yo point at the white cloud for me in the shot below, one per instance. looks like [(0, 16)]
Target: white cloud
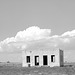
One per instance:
[(69, 34), (22, 38), (35, 38), (8, 40), (32, 33)]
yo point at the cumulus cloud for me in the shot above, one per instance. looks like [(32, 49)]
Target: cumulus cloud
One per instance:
[(32, 33), (23, 38), (35, 38)]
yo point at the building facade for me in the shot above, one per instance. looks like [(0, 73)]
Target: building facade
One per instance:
[(42, 58)]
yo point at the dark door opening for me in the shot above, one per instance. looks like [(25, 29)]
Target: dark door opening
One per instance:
[(36, 60), (45, 60)]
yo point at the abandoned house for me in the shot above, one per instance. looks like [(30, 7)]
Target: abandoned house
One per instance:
[(42, 58)]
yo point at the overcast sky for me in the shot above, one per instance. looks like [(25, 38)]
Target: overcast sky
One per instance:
[(58, 16)]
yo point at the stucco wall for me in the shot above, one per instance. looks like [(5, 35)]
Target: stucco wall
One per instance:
[(40, 53)]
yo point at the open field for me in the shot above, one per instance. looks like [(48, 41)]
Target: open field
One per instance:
[(16, 69)]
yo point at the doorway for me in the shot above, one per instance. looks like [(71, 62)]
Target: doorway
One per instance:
[(36, 60), (45, 60)]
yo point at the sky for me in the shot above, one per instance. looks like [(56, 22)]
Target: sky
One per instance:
[(21, 19)]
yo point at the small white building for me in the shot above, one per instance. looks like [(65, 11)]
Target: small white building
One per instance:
[(42, 58)]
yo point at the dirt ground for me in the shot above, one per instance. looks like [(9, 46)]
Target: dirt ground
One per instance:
[(18, 70)]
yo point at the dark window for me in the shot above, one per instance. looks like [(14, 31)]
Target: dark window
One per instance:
[(52, 58), (28, 59)]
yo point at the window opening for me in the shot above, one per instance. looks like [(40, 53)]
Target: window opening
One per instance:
[(52, 58)]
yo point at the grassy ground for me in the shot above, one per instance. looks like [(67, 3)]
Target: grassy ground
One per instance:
[(14, 69)]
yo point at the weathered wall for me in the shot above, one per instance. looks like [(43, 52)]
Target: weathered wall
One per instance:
[(58, 57)]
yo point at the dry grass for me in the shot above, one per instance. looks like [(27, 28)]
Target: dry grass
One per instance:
[(14, 69)]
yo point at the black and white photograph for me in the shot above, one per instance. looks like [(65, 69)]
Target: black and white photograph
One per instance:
[(37, 37)]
